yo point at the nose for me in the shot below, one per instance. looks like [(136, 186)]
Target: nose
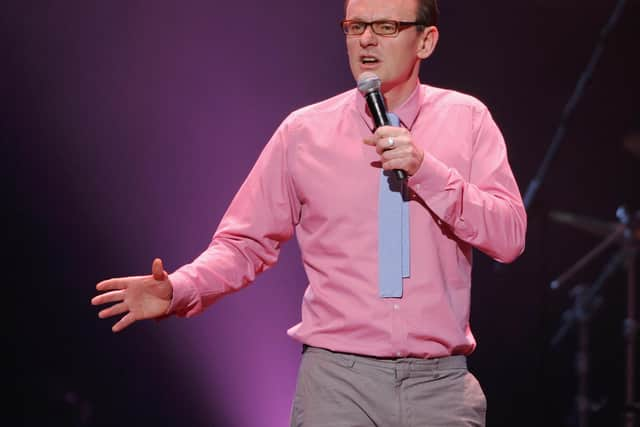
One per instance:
[(368, 38)]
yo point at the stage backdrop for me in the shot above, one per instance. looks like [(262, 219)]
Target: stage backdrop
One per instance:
[(128, 126)]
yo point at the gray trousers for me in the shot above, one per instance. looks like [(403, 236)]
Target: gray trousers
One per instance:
[(344, 390)]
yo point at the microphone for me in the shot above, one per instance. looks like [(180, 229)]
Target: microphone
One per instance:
[(369, 86)]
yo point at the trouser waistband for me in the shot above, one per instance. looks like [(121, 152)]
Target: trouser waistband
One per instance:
[(446, 362)]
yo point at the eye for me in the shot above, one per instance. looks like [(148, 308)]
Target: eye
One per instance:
[(387, 27), (356, 27)]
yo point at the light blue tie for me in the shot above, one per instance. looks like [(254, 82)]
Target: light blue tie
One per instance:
[(393, 231)]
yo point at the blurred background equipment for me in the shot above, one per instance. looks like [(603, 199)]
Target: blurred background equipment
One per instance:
[(587, 300)]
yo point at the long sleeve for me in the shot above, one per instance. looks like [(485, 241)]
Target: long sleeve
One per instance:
[(483, 208), (316, 178), (260, 218)]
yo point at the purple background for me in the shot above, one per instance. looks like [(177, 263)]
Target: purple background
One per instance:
[(128, 126)]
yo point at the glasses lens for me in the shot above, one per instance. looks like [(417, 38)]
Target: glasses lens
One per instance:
[(353, 27), (385, 28)]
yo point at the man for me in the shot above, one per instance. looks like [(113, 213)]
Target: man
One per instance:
[(385, 332)]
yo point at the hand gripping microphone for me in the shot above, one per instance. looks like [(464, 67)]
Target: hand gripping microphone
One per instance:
[(369, 86)]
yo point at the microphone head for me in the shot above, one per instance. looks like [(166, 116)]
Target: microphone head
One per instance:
[(368, 82)]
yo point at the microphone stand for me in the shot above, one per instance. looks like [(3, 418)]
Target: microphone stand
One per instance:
[(632, 236), (572, 103), (587, 301), (568, 110)]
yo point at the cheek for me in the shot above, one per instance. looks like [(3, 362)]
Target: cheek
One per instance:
[(352, 49), (405, 57)]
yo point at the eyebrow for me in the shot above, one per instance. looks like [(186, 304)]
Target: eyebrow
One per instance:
[(385, 18)]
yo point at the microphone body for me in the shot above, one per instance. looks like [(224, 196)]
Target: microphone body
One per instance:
[(376, 104), (369, 85)]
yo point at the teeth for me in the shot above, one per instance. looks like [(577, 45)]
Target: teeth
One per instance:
[(369, 60)]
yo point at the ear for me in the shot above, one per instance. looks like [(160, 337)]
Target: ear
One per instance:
[(427, 42)]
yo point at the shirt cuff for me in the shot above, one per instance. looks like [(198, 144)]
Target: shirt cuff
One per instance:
[(431, 178), (185, 296), (440, 187)]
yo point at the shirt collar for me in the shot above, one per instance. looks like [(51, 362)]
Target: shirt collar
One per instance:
[(407, 111)]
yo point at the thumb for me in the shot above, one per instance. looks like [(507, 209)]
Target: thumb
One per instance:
[(158, 270)]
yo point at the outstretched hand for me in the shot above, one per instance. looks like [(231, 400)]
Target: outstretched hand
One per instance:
[(140, 297)]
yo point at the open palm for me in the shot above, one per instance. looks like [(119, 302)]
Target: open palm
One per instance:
[(137, 297)]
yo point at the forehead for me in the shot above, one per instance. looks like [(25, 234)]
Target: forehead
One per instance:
[(379, 9)]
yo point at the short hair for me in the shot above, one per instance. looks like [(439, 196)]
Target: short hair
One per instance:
[(427, 12)]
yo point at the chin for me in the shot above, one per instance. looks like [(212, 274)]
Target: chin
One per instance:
[(358, 69)]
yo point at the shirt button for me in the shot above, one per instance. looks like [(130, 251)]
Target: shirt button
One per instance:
[(418, 186), (396, 307)]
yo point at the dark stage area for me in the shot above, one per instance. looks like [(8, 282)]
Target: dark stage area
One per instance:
[(128, 126)]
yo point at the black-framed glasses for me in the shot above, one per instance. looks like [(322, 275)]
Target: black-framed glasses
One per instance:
[(387, 28)]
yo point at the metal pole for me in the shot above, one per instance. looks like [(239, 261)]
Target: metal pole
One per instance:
[(583, 403), (631, 331)]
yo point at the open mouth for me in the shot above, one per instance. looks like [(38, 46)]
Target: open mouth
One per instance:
[(369, 60)]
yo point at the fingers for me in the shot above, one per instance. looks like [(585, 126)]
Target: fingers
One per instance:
[(134, 289), (394, 164), (396, 153), (108, 297), (158, 270), (385, 144), (388, 138), (118, 283), (396, 149), (114, 310), (390, 131), (112, 284), (385, 132), (407, 158), (396, 145), (125, 322)]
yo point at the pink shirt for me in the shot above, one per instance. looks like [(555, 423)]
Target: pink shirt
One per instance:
[(316, 178)]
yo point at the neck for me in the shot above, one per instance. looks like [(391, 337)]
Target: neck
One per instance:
[(395, 95)]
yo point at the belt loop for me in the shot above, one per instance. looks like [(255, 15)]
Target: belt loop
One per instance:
[(436, 369)]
